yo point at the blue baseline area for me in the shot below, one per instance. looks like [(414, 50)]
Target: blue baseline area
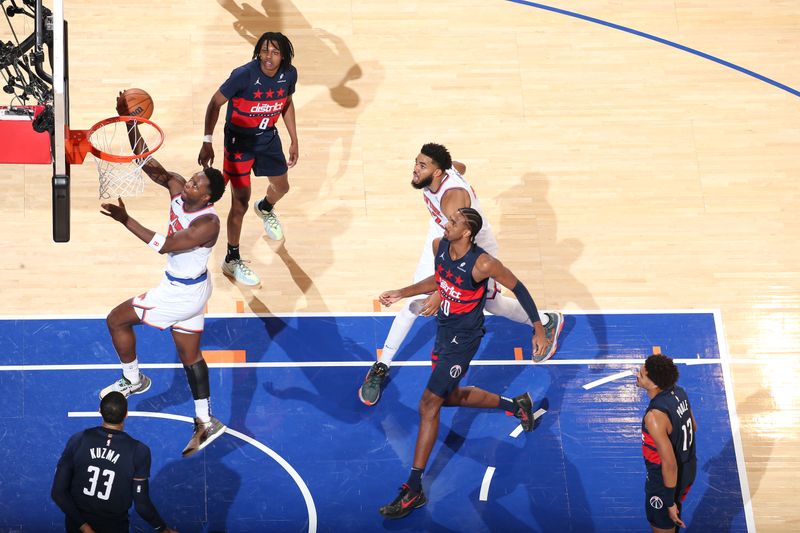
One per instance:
[(580, 470)]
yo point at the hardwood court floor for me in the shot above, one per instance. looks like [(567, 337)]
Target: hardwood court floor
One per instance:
[(618, 172)]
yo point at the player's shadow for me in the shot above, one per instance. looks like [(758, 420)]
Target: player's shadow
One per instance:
[(527, 202), (713, 512), (186, 497), (323, 57)]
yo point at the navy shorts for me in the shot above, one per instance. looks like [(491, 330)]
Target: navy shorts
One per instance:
[(657, 514), (263, 155), (452, 353)]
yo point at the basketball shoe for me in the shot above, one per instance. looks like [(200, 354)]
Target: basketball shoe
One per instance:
[(240, 273), (204, 434), (370, 391), (405, 502), (127, 388), (552, 330), (524, 412), (271, 223)]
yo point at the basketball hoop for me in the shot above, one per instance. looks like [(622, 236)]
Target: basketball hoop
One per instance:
[(109, 141)]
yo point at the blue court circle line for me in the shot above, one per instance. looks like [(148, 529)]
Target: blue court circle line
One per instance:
[(661, 40), (309, 500)]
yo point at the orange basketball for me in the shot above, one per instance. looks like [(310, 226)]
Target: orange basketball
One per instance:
[(138, 103)]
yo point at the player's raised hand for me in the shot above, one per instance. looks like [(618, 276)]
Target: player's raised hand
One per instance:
[(389, 297), (122, 108), (117, 212)]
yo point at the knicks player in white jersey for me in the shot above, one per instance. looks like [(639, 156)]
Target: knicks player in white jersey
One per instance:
[(179, 300), (445, 191)]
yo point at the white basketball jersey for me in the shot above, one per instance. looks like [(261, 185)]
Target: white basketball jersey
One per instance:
[(433, 201), (189, 263)]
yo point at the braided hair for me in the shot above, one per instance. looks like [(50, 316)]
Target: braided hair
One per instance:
[(283, 43), (474, 221)]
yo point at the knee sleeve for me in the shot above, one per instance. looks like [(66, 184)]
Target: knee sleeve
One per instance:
[(197, 375)]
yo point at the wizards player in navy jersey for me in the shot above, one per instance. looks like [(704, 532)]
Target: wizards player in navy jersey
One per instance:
[(462, 271), (258, 94), (668, 437), (101, 472)]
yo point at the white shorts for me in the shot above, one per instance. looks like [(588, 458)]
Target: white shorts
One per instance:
[(174, 304), (426, 266)]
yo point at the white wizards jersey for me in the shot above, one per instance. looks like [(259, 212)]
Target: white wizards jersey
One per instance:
[(433, 201), (192, 263)]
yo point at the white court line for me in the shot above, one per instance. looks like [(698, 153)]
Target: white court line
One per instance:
[(727, 379), (316, 364), (312, 510), (612, 377), (487, 480), (518, 430)]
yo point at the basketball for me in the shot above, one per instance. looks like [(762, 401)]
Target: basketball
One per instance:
[(138, 103)]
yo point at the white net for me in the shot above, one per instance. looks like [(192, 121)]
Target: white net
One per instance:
[(123, 178)]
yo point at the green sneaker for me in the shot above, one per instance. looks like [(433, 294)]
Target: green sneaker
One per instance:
[(271, 223), (238, 271), (552, 330), (370, 391)]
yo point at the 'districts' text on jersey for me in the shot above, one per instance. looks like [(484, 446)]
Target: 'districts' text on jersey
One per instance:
[(255, 100), (462, 298), (675, 404)]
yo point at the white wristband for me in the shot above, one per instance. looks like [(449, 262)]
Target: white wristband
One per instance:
[(208, 138), (157, 242)]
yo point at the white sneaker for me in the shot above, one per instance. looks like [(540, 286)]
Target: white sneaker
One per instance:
[(240, 272), (127, 388), (271, 223)]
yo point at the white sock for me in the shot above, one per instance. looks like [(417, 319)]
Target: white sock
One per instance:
[(202, 409), (131, 371), (400, 327)]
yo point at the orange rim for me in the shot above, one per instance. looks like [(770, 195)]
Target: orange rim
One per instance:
[(114, 158)]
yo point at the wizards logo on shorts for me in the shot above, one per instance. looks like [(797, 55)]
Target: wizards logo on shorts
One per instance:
[(455, 371), (656, 503)]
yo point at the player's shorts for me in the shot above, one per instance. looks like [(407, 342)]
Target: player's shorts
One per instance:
[(452, 353), (174, 303), (657, 514), (263, 155), (425, 266)]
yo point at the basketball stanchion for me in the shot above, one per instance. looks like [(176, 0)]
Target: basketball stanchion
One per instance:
[(109, 141)]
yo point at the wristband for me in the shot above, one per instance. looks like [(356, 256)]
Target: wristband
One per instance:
[(208, 138), (157, 242), (668, 495)]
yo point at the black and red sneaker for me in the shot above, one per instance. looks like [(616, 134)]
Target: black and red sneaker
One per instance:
[(405, 502), (524, 412)]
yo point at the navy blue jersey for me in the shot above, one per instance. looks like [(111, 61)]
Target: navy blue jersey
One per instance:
[(675, 404), (103, 463), (255, 100), (463, 298)]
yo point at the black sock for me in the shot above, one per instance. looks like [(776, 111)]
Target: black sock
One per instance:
[(265, 206), (233, 253), (415, 480), (507, 404)]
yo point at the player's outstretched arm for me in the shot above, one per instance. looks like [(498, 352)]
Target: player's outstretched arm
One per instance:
[(171, 180), (490, 267), (206, 156), (203, 231)]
